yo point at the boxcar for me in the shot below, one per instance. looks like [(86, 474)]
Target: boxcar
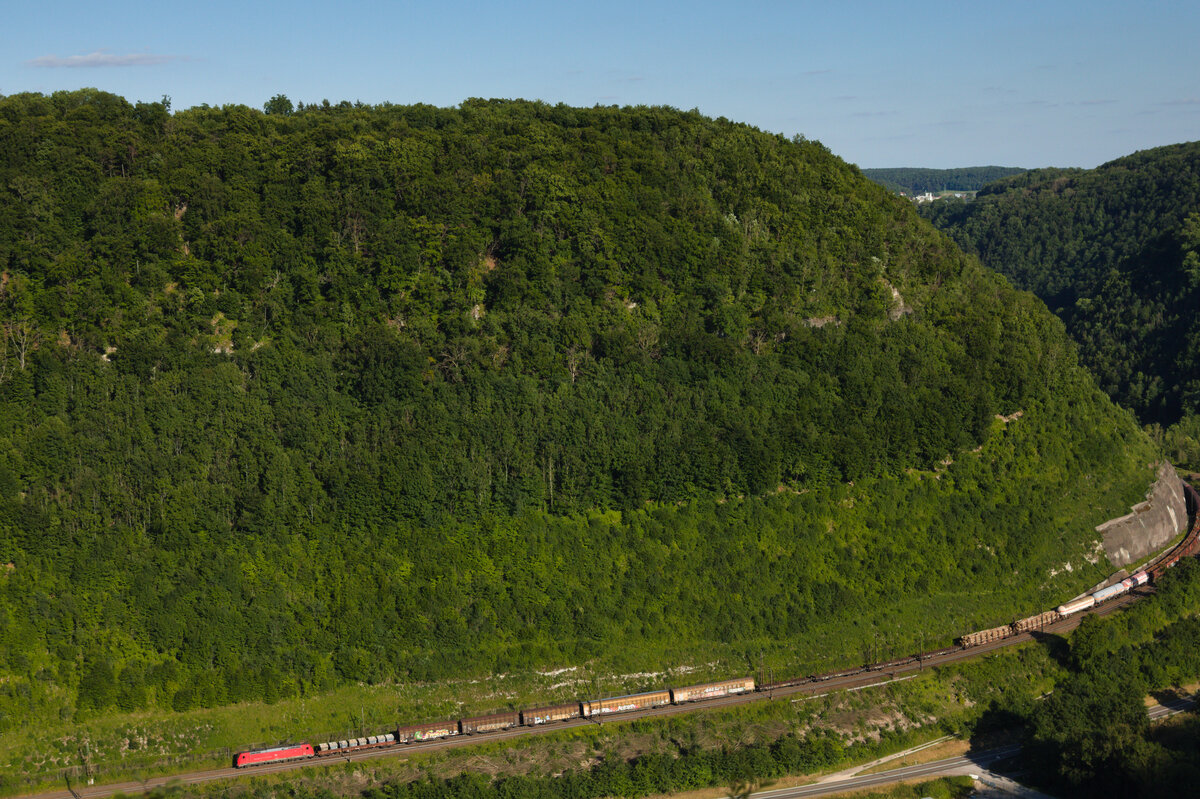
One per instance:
[(625, 704), (275, 754), (426, 732), (549, 713), (496, 721), (712, 690)]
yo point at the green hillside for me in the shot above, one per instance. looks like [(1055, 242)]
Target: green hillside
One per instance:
[(346, 394), (1115, 252)]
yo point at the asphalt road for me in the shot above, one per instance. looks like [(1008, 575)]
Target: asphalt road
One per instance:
[(1162, 710), (966, 764)]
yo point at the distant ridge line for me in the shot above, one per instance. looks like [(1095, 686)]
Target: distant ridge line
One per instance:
[(918, 180)]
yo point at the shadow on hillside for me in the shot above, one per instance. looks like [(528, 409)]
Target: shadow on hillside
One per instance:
[(997, 726), (1056, 647)]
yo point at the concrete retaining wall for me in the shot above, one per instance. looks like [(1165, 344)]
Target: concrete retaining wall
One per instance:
[(1151, 525)]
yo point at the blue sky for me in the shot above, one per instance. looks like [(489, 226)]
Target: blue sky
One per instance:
[(923, 83)]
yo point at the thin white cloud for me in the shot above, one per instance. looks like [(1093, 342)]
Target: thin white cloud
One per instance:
[(1182, 101), (100, 58), (892, 138)]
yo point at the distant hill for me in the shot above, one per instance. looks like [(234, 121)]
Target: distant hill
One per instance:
[(1115, 252), (350, 394), (916, 180)]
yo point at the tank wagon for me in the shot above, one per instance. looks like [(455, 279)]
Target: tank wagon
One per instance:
[(1104, 594), (1076, 605), (1126, 585)]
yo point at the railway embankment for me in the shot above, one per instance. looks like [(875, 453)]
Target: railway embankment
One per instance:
[(1150, 525)]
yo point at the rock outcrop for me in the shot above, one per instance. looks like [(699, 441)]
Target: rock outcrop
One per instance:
[(1151, 525)]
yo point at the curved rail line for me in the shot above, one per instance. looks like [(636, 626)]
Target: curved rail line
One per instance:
[(1020, 631)]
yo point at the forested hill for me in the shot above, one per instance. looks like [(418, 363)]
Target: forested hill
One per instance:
[(363, 393), (918, 180), (1115, 252)]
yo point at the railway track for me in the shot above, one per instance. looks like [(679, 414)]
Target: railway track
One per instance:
[(871, 675), (858, 680)]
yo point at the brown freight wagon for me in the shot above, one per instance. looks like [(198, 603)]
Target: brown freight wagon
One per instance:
[(1036, 622), (496, 721), (712, 690), (625, 704), (549, 713), (426, 732), (986, 636)]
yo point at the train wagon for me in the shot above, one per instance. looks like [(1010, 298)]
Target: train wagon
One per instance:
[(1037, 622), (490, 723), (712, 690), (784, 683), (1141, 578), (987, 636), (1116, 589), (1105, 594), (1076, 605), (370, 740), (895, 664), (276, 754), (549, 713), (1162, 566), (624, 704), (835, 675), (426, 732)]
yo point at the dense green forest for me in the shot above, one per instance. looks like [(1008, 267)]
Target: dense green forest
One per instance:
[(1115, 252), (343, 393), (1092, 735), (918, 180)]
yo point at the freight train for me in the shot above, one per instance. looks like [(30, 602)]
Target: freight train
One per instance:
[(586, 709), (501, 721), (1188, 546)]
